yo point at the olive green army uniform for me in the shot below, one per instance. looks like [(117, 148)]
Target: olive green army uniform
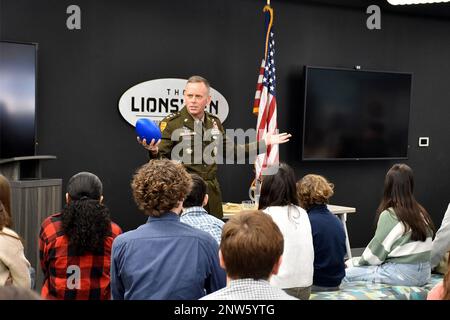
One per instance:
[(198, 144)]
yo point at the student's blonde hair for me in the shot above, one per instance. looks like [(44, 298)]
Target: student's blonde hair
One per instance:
[(314, 189)]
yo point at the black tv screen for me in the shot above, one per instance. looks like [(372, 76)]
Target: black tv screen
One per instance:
[(355, 114), (17, 99)]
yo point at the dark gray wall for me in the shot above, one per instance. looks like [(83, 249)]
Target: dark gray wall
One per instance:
[(82, 74)]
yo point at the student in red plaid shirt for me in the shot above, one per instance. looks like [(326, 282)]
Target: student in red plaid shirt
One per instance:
[(75, 245)]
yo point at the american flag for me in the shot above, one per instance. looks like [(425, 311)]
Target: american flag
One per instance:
[(265, 105)]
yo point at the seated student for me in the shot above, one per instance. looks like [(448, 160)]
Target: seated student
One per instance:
[(14, 267), (441, 246), (399, 253), (194, 213), (314, 191), (75, 245), (164, 258), (441, 291), (250, 252), (5, 198), (278, 199)]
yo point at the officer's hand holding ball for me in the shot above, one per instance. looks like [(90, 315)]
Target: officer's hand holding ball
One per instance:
[(148, 134)]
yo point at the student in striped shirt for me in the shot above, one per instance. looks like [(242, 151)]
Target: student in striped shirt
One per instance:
[(400, 251), (194, 213)]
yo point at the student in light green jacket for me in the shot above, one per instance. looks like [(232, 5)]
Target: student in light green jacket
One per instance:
[(400, 251)]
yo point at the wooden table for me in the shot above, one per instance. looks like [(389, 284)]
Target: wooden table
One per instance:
[(230, 209)]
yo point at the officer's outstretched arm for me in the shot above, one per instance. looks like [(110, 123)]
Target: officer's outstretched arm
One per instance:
[(244, 150)]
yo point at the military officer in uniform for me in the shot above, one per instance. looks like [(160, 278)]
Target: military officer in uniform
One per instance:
[(196, 137)]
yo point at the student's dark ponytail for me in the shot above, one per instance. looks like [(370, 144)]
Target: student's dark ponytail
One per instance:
[(85, 220)]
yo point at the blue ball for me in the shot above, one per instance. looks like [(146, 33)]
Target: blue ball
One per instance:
[(148, 130)]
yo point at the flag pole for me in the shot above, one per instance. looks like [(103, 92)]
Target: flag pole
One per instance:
[(257, 191), (258, 178)]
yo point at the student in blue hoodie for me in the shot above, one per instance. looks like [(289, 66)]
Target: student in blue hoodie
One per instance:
[(328, 233)]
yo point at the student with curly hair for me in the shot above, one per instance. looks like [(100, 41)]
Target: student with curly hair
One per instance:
[(14, 267), (75, 245), (164, 258), (314, 192), (400, 251)]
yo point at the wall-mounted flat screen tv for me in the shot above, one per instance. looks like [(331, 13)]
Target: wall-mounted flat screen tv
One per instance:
[(17, 99), (354, 114)]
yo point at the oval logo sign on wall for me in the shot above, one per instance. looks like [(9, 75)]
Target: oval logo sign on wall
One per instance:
[(156, 99)]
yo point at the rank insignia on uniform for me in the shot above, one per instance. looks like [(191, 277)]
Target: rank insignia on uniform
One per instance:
[(187, 132), (162, 125)]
